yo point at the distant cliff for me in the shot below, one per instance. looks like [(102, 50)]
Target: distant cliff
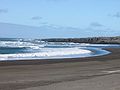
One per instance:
[(93, 40)]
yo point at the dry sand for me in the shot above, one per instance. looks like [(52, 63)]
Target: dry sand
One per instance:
[(94, 73)]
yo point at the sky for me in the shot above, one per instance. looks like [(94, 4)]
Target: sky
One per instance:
[(59, 18)]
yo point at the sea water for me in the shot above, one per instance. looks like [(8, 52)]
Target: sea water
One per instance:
[(19, 49)]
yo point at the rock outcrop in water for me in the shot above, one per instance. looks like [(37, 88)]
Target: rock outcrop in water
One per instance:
[(92, 40)]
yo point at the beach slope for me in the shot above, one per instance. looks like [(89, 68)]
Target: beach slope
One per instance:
[(94, 73)]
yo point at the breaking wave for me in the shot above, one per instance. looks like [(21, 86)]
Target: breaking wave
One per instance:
[(16, 49)]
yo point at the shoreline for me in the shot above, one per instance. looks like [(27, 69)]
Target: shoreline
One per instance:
[(91, 73), (88, 51), (58, 60)]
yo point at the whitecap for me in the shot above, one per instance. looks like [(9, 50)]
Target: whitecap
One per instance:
[(47, 52)]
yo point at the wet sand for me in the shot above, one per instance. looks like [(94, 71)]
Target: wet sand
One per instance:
[(93, 73)]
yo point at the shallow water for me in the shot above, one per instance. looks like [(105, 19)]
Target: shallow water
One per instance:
[(16, 49)]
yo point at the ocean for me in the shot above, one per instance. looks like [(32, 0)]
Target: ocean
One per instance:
[(25, 49)]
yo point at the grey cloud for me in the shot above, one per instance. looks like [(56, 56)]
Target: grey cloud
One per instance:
[(44, 23), (117, 15), (3, 10), (96, 24), (56, 0), (36, 18)]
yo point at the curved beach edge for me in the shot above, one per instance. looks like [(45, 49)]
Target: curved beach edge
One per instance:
[(114, 54)]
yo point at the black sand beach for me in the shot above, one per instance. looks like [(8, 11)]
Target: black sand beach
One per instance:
[(93, 73)]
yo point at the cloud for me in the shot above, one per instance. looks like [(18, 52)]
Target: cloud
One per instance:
[(53, 31), (56, 0), (44, 23), (96, 24), (36, 18), (3, 10), (117, 15), (52, 0)]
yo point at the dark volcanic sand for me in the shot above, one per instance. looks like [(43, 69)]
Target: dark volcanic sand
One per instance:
[(94, 73)]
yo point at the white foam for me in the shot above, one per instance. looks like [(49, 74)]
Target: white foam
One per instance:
[(87, 44), (19, 44), (79, 44), (47, 52), (40, 49)]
